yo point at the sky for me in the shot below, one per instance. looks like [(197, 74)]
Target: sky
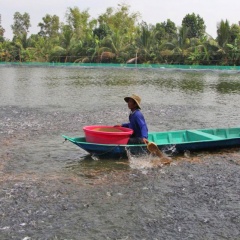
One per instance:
[(151, 11)]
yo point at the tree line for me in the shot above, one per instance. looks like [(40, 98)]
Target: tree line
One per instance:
[(117, 36)]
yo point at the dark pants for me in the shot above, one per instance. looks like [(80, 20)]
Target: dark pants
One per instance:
[(135, 140)]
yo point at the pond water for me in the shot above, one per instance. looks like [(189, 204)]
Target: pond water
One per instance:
[(39, 104)]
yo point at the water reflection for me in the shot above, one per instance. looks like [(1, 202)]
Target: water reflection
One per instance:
[(43, 86), (191, 85), (89, 169), (48, 185), (43, 103), (228, 87)]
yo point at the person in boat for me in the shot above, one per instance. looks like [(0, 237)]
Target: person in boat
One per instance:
[(136, 121)]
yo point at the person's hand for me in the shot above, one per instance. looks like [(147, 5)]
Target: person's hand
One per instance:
[(145, 140), (117, 126)]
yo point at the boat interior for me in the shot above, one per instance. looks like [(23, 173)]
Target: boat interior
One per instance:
[(183, 136)]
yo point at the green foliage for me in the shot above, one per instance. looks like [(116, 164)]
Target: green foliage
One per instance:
[(234, 52), (117, 36), (2, 30), (143, 41), (57, 54), (234, 33), (78, 22), (165, 31), (195, 25), (50, 26), (120, 19), (223, 31), (102, 31), (21, 24)]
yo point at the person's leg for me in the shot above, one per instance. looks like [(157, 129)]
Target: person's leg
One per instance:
[(135, 141)]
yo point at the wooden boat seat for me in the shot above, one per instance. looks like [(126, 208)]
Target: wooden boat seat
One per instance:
[(168, 138), (205, 136)]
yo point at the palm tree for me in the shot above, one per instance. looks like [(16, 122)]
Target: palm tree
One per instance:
[(234, 52), (223, 33)]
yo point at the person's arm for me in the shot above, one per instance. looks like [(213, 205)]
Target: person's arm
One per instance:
[(123, 125), (142, 125), (145, 140)]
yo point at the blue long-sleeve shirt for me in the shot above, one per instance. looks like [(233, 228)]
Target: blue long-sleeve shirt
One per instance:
[(138, 124)]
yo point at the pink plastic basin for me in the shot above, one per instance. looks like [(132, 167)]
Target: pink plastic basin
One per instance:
[(107, 134)]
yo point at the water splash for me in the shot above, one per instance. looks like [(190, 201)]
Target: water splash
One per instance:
[(94, 157), (146, 161), (187, 154), (170, 150)]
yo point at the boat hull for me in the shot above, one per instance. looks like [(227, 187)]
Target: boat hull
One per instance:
[(181, 140)]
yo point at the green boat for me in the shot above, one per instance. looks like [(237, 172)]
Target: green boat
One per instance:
[(180, 140)]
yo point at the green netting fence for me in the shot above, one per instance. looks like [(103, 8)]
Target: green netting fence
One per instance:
[(111, 65)]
